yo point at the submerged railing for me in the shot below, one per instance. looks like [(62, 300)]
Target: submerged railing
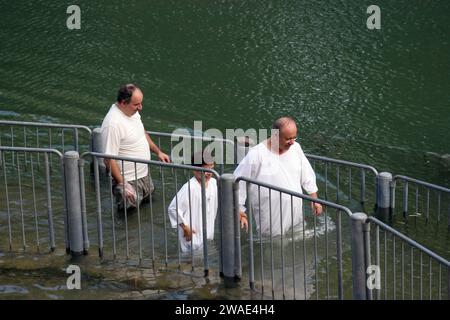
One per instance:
[(104, 198), (26, 182), (401, 271), (442, 196), (342, 178), (85, 209), (199, 141), (295, 238), (45, 135)]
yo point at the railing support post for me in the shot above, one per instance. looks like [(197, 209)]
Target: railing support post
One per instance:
[(237, 234), (358, 257), (367, 257), (73, 203), (228, 229), (97, 146), (383, 205)]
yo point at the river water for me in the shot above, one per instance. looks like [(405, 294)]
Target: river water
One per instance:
[(380, 97)]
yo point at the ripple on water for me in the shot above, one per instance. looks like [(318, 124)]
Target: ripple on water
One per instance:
[(7, 113), (55, 288), (12, 289)]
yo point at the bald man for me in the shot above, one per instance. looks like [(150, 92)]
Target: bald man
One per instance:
[(123, 134), (278, 161)]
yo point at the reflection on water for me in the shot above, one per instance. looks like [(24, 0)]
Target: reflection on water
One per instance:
[(284, 268)]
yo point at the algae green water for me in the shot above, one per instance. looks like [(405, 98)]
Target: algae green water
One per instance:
[(380, 97)]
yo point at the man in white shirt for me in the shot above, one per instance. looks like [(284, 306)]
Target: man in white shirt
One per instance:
[(278, 161), (123, 134)]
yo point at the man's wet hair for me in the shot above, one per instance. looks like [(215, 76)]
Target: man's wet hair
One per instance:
[(126, 92), (206, 157), (281, 122)]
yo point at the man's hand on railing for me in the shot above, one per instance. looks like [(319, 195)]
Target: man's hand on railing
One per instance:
[(316, 208), (187, 231), (163, 157), (129, 192), (244, 221)]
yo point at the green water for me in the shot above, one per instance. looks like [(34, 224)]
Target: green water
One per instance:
[(380, 97)]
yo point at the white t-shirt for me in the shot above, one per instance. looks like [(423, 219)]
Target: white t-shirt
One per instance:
[(195, 211), (125, 136), (290, 170)]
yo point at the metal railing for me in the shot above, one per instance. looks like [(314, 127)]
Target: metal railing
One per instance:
[(408, 270), (222, 150), (294, 239), (28, 189), (439, 191), (27, 192), (341, 182), (62, 137), (148, 228)]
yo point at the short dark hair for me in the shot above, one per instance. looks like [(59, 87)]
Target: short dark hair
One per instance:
[(126, 92), (204, 155), (281, 122)]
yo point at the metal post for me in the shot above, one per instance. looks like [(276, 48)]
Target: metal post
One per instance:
[(358, 261), (228, 241), (384, 180), (72, 182), (367, 257), (97, 146), (83, 206), (237, 234), (204, 227)]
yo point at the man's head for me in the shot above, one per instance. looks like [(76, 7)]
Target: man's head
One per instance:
[(287, 133), (129, 99), (202, 159)]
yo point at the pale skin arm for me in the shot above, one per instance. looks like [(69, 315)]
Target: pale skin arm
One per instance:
[(153, 147), (188, 232), (115, 171), (315, 207), (243, 220)]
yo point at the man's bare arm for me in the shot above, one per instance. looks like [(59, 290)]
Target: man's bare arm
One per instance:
[(115, 171), (153, 147), (316, 207)]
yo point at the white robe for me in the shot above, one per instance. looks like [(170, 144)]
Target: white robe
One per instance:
[(196, 210), (290, 170)]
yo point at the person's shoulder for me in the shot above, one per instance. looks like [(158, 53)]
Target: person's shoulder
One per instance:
[(136, 116), (184, 187), (296, 147), (113, 116), (258, 149)]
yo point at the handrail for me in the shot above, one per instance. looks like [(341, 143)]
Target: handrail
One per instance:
[(158, 163), (420, 182), (353, 164), (205, 138), (46, 125), (296, 194), (409, 241), (46, 150)]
